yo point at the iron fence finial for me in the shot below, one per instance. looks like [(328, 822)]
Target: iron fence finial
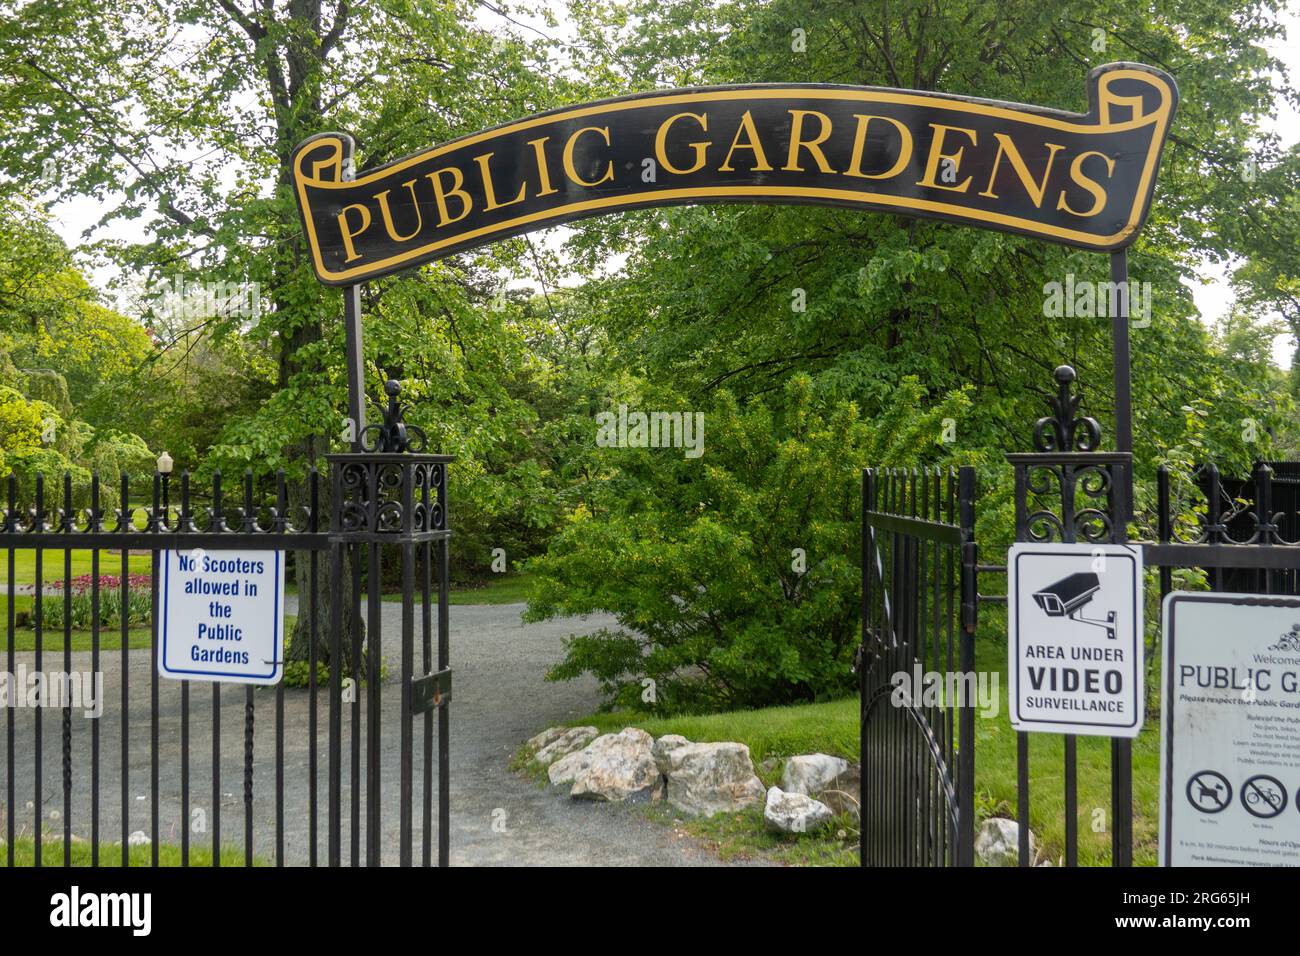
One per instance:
[(1065, 429), (393, 434)]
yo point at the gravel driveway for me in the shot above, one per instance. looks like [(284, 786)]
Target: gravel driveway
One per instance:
[(499, 699)]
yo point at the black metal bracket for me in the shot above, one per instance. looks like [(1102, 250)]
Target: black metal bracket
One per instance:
[(430, 691)]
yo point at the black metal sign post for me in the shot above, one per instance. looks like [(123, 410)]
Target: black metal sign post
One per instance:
[(1078, 179), (1067, 490), (1121, 748), (356, 364)]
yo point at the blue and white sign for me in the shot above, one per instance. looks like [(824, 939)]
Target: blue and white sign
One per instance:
[(222, 616)]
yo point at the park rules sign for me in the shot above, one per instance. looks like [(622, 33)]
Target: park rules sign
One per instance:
[(222, 616), (1230, 730), (1074, 638)]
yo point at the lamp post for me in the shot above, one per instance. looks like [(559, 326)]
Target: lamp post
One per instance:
[(165, 469)]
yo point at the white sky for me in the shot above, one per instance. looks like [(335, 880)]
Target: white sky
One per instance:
[(1213, 296)]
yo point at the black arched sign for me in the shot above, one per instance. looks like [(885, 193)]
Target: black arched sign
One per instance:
[(1080, 179)]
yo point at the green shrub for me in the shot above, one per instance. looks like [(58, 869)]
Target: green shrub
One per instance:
[(297, 674), (695, 556)]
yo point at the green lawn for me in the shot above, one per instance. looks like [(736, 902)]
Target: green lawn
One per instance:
[(110, 638), (110, 562), (830, 728), (110, 854), (833, 728), (52, 569), (500, 589)]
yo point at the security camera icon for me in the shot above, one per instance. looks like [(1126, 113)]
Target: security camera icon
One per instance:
[(1068, 596)]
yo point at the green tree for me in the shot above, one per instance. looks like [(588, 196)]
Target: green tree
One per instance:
[(183, 114), (697, 557), (882, 297)]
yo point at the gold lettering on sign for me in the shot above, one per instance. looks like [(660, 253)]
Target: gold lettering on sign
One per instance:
[(489, 190), (700, 148), (1008, 147), (752, 144), (860, 142), (441, 195), (797, 142), (350, 234), (387, 214), (543, 171), (1093, 187), (568, 156), (937, 154)]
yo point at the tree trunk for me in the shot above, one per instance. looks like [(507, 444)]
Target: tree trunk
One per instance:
[(313, 623)]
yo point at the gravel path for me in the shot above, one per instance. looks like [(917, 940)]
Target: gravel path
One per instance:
[(497, 817)]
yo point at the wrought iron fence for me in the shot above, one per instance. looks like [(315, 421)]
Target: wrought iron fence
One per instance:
[(920, 563), (918, 621), (386, 496)]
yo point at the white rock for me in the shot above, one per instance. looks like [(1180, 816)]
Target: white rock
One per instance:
[(573, 738), (704, 779), (610, 768), (138, 838), (794, 812), (664, 746), (998, 843), (564, 770), (811, 773), (844, 793), (549, 735), (617, 766)]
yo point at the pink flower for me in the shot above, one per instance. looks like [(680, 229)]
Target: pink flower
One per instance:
[(107, 582)]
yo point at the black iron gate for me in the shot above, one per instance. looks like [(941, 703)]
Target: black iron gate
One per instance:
[(387, 499), (917, 665), (919, 563)]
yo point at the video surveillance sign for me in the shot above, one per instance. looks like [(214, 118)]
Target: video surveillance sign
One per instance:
[(1074, 638)]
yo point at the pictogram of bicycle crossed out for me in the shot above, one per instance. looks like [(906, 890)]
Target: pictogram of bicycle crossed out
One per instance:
[(1263, 796)]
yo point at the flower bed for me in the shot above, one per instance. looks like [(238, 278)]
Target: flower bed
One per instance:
[(139, 602)]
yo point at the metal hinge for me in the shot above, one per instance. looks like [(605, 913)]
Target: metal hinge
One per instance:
[(430, 690)]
